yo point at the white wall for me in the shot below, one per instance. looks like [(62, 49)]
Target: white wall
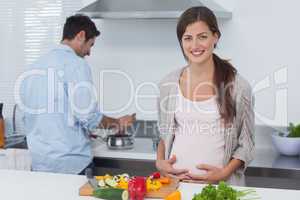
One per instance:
[(145, 50), (260, 39)]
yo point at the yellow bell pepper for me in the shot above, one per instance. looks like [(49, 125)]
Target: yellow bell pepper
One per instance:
[(164, 180), (174, 196), (99, 178), (107, 176), (103, 177), (123, 184), (152, 184)]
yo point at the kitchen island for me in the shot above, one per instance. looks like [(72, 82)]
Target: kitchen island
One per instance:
[(25, 185)]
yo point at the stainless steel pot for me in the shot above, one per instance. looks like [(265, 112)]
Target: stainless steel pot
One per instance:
[(120, 141)]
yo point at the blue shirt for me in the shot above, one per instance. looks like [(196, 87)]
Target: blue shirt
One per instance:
[(60, 109)]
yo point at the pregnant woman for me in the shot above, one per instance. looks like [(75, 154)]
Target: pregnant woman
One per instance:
[(206, 117)]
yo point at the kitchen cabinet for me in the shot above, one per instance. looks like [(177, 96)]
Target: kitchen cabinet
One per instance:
[(17, 159)]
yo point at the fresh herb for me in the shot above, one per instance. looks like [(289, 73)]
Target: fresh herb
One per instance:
[(224, 192), (294, 131)]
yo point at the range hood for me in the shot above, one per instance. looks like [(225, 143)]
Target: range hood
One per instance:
[(148, 9)]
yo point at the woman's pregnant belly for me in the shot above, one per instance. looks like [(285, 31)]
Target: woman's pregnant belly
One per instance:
[(191, 150)]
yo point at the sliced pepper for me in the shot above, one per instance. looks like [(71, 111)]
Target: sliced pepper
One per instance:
[(123, 184), (99, 178), (174, 196), (164, 180), (107, 176), (153, 184), (155, 175)]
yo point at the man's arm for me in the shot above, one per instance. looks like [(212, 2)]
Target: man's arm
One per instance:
[(108, 122)]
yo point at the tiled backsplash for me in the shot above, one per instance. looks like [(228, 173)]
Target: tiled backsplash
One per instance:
[(142, 128)]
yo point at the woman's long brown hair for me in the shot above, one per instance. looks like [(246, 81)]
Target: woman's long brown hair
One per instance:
[(224, 74)]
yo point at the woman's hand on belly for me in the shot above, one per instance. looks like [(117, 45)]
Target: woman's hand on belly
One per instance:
[(213, 174), (167, 169)]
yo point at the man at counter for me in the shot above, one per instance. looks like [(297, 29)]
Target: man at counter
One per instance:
[(60, 105)]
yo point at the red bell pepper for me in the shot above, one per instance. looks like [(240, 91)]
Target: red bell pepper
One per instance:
[(137, 188), (155, 175)]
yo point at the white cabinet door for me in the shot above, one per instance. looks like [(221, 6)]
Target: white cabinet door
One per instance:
[(18, 159)]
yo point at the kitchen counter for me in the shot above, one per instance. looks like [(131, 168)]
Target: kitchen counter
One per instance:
[(19, 185), (143, 150)]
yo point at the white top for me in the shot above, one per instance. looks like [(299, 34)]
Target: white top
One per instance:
[(198, 136)]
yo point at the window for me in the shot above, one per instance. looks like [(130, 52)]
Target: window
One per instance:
[(28, 29)]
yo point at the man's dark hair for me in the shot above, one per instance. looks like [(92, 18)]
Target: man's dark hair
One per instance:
[(76, 23)]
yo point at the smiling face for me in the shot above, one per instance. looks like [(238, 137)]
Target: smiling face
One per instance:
[(198, 42)]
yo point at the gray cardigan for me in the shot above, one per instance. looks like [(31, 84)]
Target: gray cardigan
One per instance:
[(239, 140)]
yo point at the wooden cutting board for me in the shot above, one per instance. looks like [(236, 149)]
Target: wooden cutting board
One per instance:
[(165, 190)]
